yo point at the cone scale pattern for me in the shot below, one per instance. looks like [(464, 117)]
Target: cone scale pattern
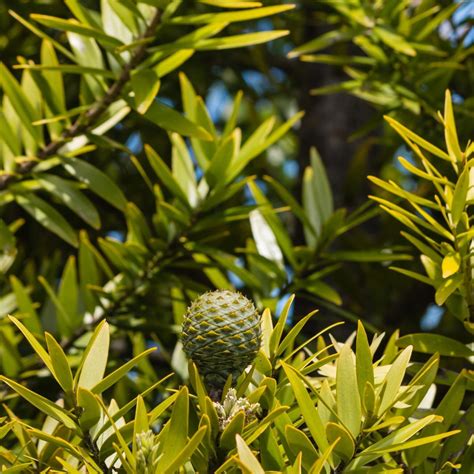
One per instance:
[(222, 335)]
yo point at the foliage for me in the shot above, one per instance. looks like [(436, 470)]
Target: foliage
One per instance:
[(354, 415), (103, 247), (399, 56), (445, 247)]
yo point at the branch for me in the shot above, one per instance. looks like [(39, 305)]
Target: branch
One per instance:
[(86, 121)]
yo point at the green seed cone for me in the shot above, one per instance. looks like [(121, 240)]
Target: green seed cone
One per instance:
[(222, 335)]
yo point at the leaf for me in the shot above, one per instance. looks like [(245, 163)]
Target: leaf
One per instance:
[(321, 42), (217, 172), (288, 198), (71, 197), (187, 451), (247, 458), (450, 133), (318, 466), (177, 433), (119, 373), (43, 404), (410, 136), (61, 370), (68, 293), (37, 347), (25, 305), (451, 264), (164, 174), (347, 393), (78, 28), (274, 223), (183, 169), (300, 443), (308, 410), (239, 41), (91, 411), (172, 121), (231, 3), (393, 380), (397, 437), (447, 288), (394, 41), (43, 35), (384, 255), (311, 209), (173, 62), (264, 237), (22, 106), (321, 289), (243, 15), (277, 332), (140, 424), (460, 196), (235, 427), (67, 69), (145, 85), (364, 368), (345, 446), (321, 187), (63, 317), (415, 443), (435, 343), (94, 360), (448, 409)]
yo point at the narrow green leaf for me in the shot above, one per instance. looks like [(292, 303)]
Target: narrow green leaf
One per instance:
[(450, 264), (458, 205), (164, 174), (71, 197), (394, 41), (22, 106), (247, 458), (239, 41), (308, 410), (177, 433), (450, 133), (364, 368), (47, 216), (68, 293), (145, 85), (43, 404), (63, 317), (435, 343), (94, 360), (25, 305), (37, 347), (172, 121), (348, 401), (78, 28), (119, 373), (91, 410), (236, 425), (243, 15), (61, 370), (410, 136), (97, 181), (187, 451), (393, 380), (300, 443), (447, 288), (345, 446)]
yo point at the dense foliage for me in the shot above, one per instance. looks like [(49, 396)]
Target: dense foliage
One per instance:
[(128, 190)]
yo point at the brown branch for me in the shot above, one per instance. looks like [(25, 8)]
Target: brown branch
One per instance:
[(86, 121)]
